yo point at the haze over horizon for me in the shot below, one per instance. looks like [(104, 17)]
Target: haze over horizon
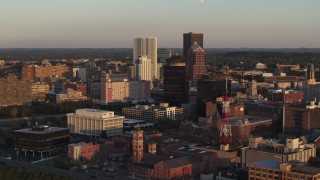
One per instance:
[(114, 24)]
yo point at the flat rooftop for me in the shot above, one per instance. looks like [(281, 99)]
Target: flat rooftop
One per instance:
[(248, 120), (268, 164), (94, 113), (46, 131), (132, 121), (190, 150), (295, 167)]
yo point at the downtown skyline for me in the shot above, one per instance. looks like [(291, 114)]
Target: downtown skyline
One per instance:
[(113, 24)]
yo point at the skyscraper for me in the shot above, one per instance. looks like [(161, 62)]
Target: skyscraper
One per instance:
[(146, 47), (188, 41), (196, 62), (310, 71), (90, 67), (142, 69), (174, 81)]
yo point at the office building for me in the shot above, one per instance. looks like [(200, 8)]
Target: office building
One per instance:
[(90, 70), (311, 88), (154, 113), (92, 122), (210, 90), (196, 62), (143, 69), (70, 95), (79, 72), (164, 55), (275, 150), (139, 90), (188, 41), (94, 90), (58, 86), (14, 91), (113, 91), (301, 118), (123, 90), (273, 170), (252, 88), (40, 138), (146, 47), (174, 82), (39, 90)]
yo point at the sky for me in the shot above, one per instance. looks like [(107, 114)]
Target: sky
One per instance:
[(114, 23)]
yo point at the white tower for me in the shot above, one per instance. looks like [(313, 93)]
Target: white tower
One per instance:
[(142, 69), (146, 46)]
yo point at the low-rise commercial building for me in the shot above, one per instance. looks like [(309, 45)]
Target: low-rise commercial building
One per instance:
[(271, 149), (84, 151), (40, 138), (92, 122), (243, 127), (285, 96), (154, 113), (266, 169), (39, 91), (70, 95), (301, 118)]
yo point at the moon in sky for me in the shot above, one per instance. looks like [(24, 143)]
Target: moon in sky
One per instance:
[(201, 1)]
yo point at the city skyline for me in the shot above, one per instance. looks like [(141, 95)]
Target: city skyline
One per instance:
[(113, 24)]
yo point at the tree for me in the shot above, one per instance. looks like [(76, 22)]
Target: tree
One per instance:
[(13, 112), (315, 161), (103, 134)]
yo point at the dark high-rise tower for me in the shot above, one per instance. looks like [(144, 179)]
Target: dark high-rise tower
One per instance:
[(188, 41), (174, 81)]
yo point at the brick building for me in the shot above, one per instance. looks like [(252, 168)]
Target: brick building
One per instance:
[(14, 91), (243, 127), (301, 118), (39, 73), (84, 151), (285, 96), (153, 166)]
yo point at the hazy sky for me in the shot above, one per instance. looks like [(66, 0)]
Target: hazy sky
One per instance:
[(114, 23)]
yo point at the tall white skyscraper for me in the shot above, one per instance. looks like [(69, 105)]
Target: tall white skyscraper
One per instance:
[(146, 47), (143, 69)]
